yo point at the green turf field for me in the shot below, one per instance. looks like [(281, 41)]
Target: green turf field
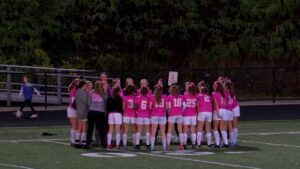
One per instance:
[(263, 144)]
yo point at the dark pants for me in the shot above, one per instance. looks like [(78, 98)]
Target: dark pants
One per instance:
[(29, 104), (99, 120)]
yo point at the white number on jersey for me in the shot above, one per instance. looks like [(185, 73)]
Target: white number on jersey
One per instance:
[(144, 104), (191, 102), (130, 104), (161, 104), (206, 99), (178, 102)]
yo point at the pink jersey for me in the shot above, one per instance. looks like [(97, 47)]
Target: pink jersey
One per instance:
[(229, 101), (220, 99), (142, 103), (138, 92), (205, 103), (190, 102), (72, 96), (159, 109), (129, 106), (235, 103), (175, 105)]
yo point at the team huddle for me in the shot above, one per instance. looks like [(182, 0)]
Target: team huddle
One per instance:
[(195, 115)]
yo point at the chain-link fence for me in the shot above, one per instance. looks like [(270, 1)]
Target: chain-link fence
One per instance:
[(255, 83)]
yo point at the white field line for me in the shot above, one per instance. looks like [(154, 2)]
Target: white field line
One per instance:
[(181, 158), (199, 161), (14, 166), (269, 144), (56, 142), (270, 133), (32, 140)]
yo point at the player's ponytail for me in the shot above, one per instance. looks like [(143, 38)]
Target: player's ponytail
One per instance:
[(157, 93)]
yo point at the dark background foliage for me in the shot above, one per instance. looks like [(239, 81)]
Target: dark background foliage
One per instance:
[(150, 34)]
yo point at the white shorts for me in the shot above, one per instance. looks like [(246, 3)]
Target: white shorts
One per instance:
[(129, 120), (158, 120), (175, 119), (229, 116), (236, 111), (115, 118), (223, 115), (142, 121), (190, 120), (204, 116), (71, 113)]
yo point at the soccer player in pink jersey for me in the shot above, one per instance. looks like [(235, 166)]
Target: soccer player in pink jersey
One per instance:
[(71, 112), (158, 105), (129, 117), (235, 108), (189, 114), (204, 115), (143, 117), (220, 113), (144, 83), (186, 87), (200, 85), (175, 114)]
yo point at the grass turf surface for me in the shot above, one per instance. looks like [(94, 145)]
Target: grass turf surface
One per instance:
[(263, 144)]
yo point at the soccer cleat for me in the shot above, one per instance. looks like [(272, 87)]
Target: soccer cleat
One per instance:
[(226, 146), (148, 147), (181, 147), (194, 146), (168, 148), (137, 147), (117, 147), (109, 147), (34, 116)]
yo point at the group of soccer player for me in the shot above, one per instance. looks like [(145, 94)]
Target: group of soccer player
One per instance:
[(115, 110)]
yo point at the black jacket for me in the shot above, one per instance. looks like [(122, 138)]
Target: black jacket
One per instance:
[(114, 105)]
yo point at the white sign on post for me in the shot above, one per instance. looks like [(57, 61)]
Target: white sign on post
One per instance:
[(173, 78)]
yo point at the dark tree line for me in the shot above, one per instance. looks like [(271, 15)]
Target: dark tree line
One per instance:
[(150, 34)]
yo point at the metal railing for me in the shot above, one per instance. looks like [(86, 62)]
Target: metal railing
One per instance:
[(251, 83)]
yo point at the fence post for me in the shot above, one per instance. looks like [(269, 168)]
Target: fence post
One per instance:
[(273, 84), (59, 95), (46, 89), (8, 86)]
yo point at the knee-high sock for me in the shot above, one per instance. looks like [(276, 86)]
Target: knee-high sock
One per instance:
[(235, 130), (109, 138), (137, 138), (118, 138), (73, 136), (78, 135), (169, 137), (147, 138), (231, 136), (181, 139), (133, 138), (208, 138), (193, 136), (199, 138), (83, 138), (224, 137), (125, 140), (185, 139), (164, 144), (152, 142), (217, 137)]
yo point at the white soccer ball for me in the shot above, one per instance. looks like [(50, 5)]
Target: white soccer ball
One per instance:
[(18, 114)]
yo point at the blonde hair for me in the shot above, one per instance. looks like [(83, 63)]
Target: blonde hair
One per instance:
[(99, 88), (144, 81)]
